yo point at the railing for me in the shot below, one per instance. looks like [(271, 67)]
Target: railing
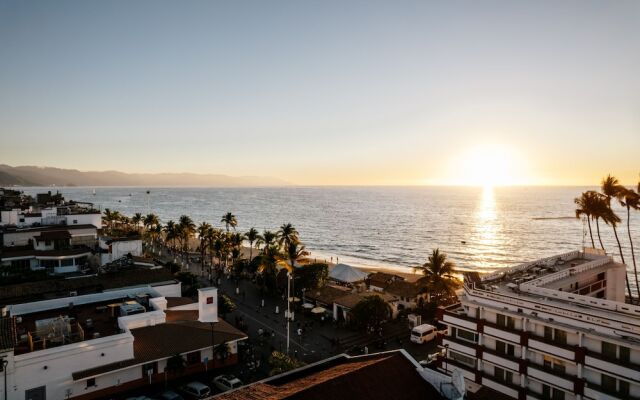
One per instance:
[(523, 267), (586, 289), (629, 324), (567, 272)]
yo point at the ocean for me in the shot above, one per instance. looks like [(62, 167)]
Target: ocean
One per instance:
[(480, 229)]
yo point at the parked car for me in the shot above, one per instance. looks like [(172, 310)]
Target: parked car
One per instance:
[(423, 333), (196, 390), (226, 382), (169, 395)]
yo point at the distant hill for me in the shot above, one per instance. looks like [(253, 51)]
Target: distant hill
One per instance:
[(47, 176)]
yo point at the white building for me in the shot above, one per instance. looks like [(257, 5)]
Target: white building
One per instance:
[(93, 346), (115, 248), (555, 328), (54, 215)]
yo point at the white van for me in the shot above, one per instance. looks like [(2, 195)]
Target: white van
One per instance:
[(423, 333)]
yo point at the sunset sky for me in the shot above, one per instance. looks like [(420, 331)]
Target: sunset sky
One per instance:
[(326, 92)]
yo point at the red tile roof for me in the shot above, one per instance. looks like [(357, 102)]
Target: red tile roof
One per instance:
[(384, 376)]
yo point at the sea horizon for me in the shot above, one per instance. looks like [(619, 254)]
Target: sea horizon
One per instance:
[(390, 227)]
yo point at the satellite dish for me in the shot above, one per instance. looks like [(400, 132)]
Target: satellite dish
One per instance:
[(457, 379)]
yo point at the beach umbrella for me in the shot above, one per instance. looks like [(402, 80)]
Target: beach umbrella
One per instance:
[(318, 310), (308, 305)]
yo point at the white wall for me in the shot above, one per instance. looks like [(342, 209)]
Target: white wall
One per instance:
[(85, 219), (29, 369)]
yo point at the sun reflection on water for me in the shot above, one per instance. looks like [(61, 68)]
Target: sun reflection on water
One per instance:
[(487, 228)]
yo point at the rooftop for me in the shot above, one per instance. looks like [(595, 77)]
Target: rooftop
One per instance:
[(165, 340), (55, 288), (389, 376), (52, 327)]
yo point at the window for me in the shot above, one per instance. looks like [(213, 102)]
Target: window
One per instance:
[(552, 393), (625, 354), (462, 358), (555, 335), (505, 321), (623, 388), (554, 365), (504, 348), (609, 350), (466, 335), (548, 333), (502, 375), (608, 383), (560, 336), (91, 382)]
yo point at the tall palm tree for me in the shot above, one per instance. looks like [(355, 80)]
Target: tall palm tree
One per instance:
[(287, 235), (438, 272), (150, 220), (586, 205), (203, 231), (598, 212), (267, 240), (187, 230), (252, 236), (229, 220), (630, 199), (611, 189), (136, 220), (170, 233)]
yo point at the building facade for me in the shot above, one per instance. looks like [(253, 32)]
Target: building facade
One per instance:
[(555, 328)]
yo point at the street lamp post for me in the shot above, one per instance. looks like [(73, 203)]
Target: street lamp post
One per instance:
[(288, 308)]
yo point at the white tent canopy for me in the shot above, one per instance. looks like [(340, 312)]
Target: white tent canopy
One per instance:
[(347, 273)]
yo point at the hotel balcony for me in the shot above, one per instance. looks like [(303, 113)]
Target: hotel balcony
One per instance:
[(612, 366), (553, 377), (594, 391), (550, 347), (508, 389), (502, 360), (502, 332), (455, 315), (461, 345)]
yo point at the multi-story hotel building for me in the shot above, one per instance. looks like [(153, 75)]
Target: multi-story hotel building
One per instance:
[(555, 328)]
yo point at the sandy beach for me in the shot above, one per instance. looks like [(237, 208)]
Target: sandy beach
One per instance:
[(408, 276)]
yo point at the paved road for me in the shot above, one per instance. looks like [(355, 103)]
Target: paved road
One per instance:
[(314, 344)]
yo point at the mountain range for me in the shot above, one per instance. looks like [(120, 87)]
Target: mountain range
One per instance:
[(50, 176)]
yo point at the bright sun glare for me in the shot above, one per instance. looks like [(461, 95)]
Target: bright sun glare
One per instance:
[(488, 166)]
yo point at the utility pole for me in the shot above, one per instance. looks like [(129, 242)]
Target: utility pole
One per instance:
[(288, 308)]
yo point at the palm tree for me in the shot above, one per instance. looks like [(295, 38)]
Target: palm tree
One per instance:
[(267, 240), (599, 211), (136, 220), (295, 253), (187, 230), (150, 220), (611, 188), (108, 217), (438, 272), (630, 199), (229, 220), (585, 205), (204, 230), (170, 233), (287, 234), (252, 236)]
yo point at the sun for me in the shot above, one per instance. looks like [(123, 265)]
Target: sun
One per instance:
[(488, 166)]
